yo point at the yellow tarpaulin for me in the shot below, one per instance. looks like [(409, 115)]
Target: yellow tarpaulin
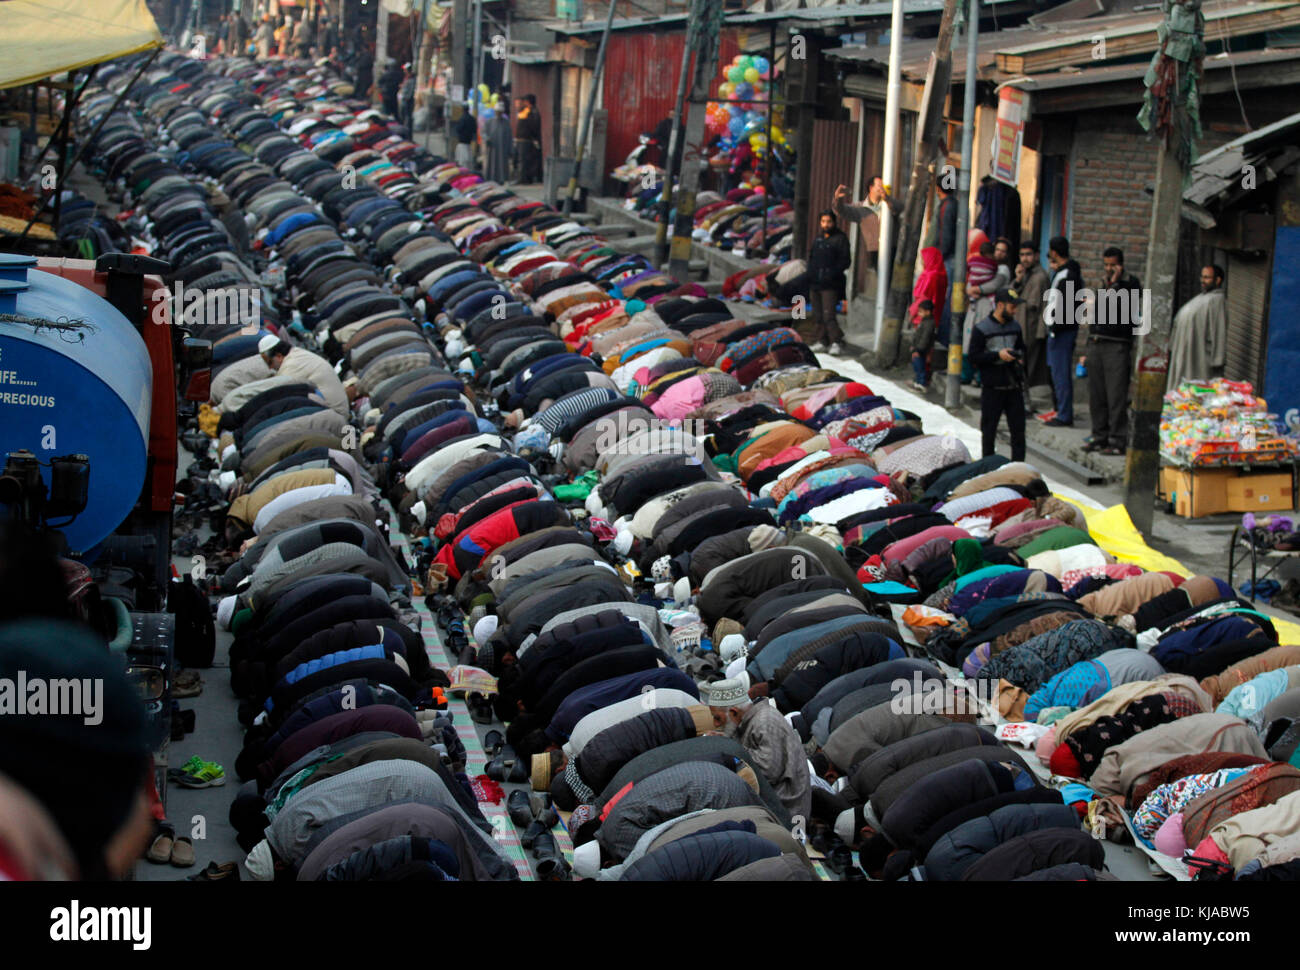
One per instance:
[(39, 38), (1114, 532)]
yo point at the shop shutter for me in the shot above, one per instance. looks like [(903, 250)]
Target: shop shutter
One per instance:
[(1246, 291)]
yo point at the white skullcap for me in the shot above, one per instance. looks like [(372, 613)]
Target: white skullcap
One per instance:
[(485, 627), (226, 612), (586, 859)]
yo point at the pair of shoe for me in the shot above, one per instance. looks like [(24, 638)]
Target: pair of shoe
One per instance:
[(506, 766), (533, 816), (551, 864), (197, 773), (168, 849)]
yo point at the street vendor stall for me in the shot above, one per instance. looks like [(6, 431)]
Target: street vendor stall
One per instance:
[(1221, 450)]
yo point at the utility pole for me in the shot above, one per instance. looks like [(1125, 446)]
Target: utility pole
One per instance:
[(1177, 145), (927, 146), (702, 34), (801, 95), (381, 38), (957, 318), (572, 189), (675, 139), (889, 168)]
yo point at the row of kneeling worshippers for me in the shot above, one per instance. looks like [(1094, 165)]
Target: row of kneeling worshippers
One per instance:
[(716, 609)]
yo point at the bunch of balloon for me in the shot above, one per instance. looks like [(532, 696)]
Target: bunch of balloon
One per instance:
[(487, 101), (745, 90)]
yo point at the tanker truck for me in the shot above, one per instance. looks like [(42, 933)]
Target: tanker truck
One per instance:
[(90, 371)]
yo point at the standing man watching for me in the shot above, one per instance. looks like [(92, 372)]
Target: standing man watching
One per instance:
[(1060, 312), (528, 140), (1199, 346), (827, 260), (998, 350), (1031, 283), (867, 216), (1109, 354)]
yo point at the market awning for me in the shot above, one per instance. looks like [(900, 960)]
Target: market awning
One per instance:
[(39, 38)]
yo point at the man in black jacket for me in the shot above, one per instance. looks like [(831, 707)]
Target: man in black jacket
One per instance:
[(1108, 354), (827, 261), (1061, 314), (528, 140), (997, 348)]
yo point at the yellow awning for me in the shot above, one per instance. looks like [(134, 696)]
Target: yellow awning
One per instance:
[(39, 38)]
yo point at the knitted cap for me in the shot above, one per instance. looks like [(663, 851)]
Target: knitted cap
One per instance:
[(724, 627)]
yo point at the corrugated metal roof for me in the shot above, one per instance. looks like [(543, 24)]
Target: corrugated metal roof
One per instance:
[(1122, 72), (1216, 178), (916, 52), (826, 13)]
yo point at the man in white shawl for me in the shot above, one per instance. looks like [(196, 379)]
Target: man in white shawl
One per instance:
[(1198, 349), (499, 143)]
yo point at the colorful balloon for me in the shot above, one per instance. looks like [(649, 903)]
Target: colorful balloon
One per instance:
[(751, 75)]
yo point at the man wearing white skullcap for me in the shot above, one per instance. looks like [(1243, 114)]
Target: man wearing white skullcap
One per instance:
[(765, 734)]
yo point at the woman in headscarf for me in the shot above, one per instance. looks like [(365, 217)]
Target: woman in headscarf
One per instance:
[(931, 285)]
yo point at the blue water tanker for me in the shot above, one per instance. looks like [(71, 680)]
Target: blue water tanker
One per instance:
[(75, 378)]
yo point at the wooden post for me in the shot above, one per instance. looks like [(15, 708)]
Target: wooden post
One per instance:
[(1142, 466), (706, 24), (801, 95), (1176, 141), (927, 146), (670, 170)]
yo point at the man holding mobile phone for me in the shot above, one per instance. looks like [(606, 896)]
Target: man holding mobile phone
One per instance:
[(1108, 353)]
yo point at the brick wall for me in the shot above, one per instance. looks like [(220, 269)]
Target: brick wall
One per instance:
[(1113, 163), (1111, 167)]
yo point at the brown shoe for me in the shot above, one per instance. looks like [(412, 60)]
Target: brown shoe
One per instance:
[(182, 853), (160, 852)]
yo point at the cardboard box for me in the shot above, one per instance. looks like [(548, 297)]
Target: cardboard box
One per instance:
[(1261, 492), (1197, 492)]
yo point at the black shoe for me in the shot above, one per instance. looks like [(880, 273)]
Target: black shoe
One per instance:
[(518, 773), (840, 858), (1091, 444), (551, 866), (854, 874), (1113, 450), (520, 808), (1058, 423), (540, 826), (493, 742), (502, 763), (480, 708)]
